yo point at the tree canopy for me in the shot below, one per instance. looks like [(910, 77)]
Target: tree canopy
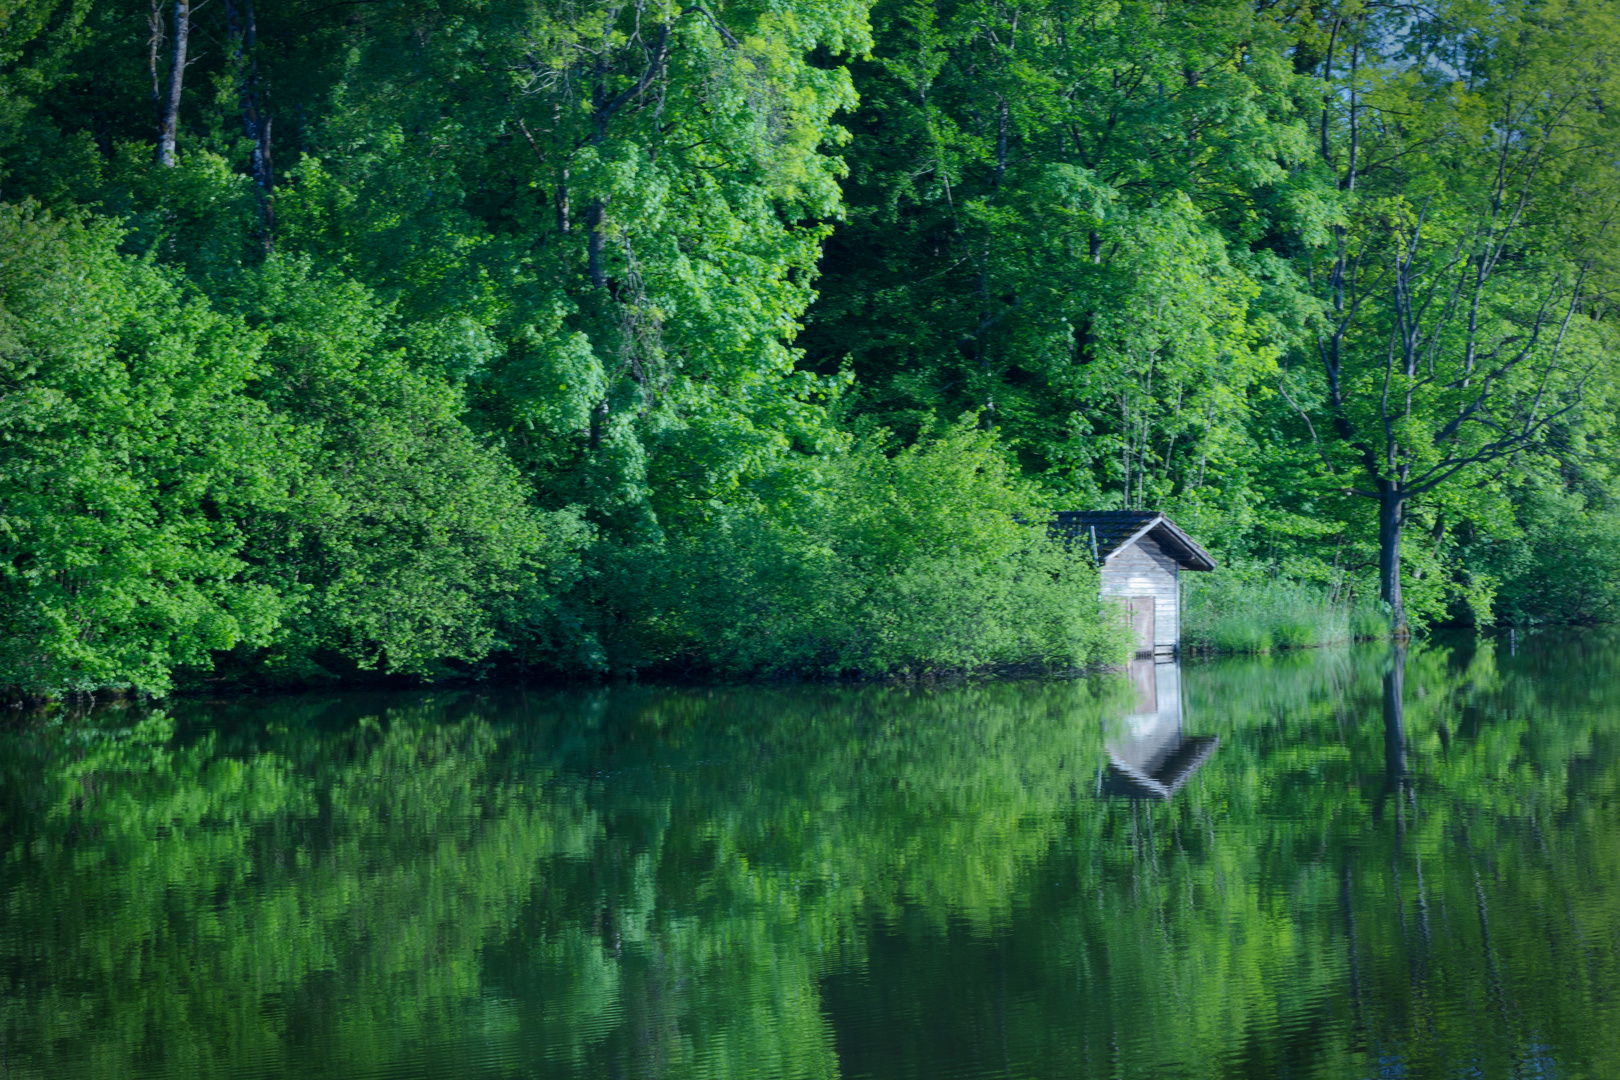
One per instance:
[(419, 336)]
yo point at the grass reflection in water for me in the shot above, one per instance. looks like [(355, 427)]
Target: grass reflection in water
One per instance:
[(1381, 864)]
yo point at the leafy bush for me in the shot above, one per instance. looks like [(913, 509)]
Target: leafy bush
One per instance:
[(410, 541), (1565, 565), (928, 560), (269, 481), (128, 458)]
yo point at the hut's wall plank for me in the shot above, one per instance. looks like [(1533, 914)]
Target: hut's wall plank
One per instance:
[(1145, 569)]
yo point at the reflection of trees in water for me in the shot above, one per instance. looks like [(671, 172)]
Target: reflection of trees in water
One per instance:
[(332, 884), (734, 882), (1439, 786), (1395, 717), (201, 901)]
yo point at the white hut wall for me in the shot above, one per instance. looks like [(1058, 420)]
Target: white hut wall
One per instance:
[(1144, 569)]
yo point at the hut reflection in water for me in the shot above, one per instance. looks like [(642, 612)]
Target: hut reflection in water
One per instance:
[(1150, 755)]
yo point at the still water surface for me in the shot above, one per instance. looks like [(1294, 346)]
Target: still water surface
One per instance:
[(1351, 863)]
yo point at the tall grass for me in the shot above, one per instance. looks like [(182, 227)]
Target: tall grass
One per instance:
[(1225, 612)]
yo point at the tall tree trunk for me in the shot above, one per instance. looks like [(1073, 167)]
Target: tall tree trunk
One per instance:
[(1391, 517), (264, 176), (242, 26), (596, 243), (177, 73), (255, 120), (154, 46)]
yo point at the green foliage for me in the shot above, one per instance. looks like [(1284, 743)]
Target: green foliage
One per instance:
[(1565, 567), (410, 541), (613, 235), (479, 327), (1043, 207), (179, 484), (131, 455), (1228, 611), (1466, 282), (933, 559)]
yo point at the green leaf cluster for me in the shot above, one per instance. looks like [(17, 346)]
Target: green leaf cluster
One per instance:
[(933, 558), (264, 477), (462, 333)]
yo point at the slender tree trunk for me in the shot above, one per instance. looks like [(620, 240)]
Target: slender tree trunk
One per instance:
[(242, 25), (177, 73), (596, 243), (154, 46), (564, 224), (264, 175), (255, 121), (1391, 517), (1001, 143)]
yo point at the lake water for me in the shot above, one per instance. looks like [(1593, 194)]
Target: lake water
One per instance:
[(1338, 864)]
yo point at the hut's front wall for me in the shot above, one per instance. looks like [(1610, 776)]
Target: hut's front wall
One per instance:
[(1143, 569)]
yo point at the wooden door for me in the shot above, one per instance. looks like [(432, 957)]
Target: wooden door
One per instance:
[(1141, 608)]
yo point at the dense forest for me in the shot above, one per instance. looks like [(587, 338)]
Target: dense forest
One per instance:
[(433, 338)]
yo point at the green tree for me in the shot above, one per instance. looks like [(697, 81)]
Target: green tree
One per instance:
[(131, 456), (182, 481), (613, 231), (409, 541), (1049, 215), (1465, 283)]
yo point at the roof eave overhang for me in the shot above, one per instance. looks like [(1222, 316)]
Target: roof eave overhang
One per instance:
[(1194, 556)]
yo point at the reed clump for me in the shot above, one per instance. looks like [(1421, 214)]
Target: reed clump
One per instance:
[(1232, 613)]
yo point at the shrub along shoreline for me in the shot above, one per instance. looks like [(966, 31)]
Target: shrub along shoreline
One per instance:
[(256, 490)]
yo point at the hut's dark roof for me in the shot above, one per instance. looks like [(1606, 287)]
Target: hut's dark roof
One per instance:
[(1117, 529)]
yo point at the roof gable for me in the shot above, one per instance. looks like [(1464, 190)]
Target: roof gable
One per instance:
[(1117, 530)]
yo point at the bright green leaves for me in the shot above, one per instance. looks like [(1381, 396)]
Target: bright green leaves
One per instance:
[(931, 558), (1463, 288), (409, 540), (624, 200), (131, 450), (177, 484), (518, 303), (1158, 352)]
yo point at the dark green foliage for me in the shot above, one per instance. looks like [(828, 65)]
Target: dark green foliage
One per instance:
[(1049, 211), (911, 563), (466, 328), (1565, 567)]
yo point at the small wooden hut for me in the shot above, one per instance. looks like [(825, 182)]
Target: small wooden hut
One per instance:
[(1141, 554)]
